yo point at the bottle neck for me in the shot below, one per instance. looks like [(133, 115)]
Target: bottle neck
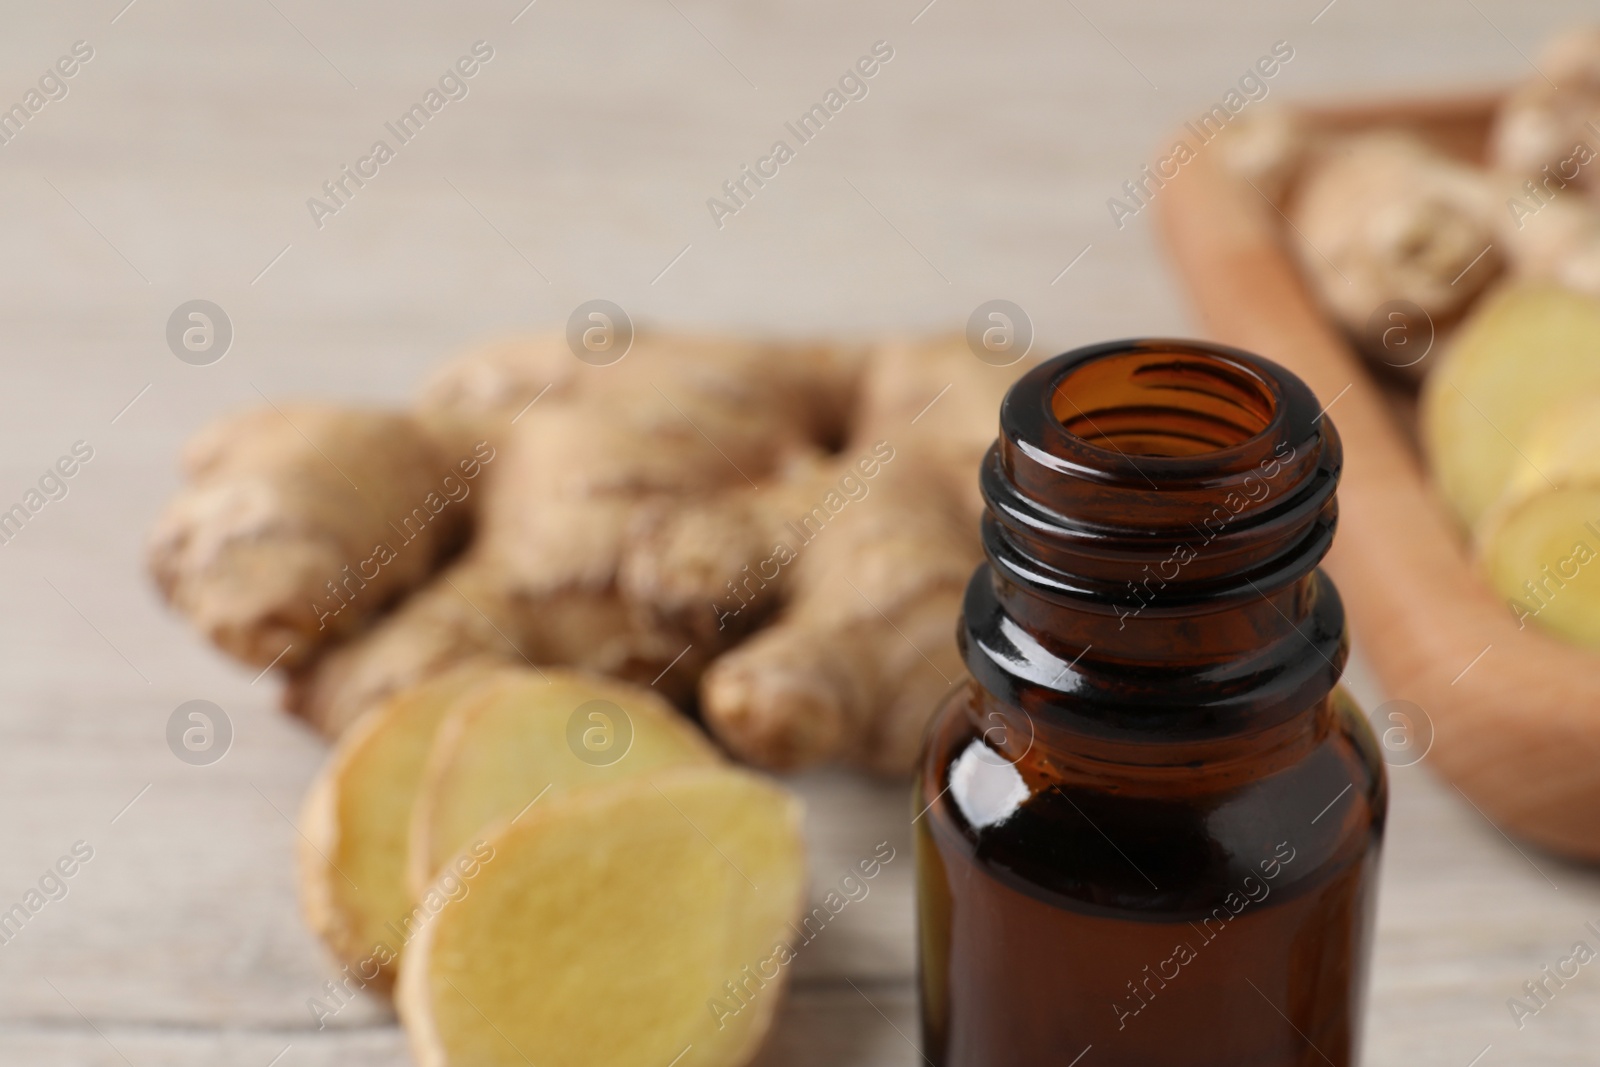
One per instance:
[(1156, 514)]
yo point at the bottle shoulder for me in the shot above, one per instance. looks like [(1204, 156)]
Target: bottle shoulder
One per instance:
[(1172, 838)]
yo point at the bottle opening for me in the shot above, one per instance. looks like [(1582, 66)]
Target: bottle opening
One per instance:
[(1163, 403), (1151, 504), (1154, 475)]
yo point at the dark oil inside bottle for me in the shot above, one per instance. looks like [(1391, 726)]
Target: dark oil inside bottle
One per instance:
[(1148, 830)]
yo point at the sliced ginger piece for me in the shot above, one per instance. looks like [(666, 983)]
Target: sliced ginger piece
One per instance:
[(1539, 544), (356, 824), (526, 734), (1541, 558), (1525, 349), (607, 925)]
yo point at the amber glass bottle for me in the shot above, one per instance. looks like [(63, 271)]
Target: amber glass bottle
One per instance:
[(1148, 830)]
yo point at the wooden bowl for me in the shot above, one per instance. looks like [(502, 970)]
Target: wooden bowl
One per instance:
[(1515, 713)]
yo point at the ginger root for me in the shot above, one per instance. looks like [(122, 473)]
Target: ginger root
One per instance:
[(1545, 144), (615, 509), (1267, 146), (1383, 216), (1556, 240), (1541, 124), (273, 546), (864, 648), (677, 418), (860, 562)]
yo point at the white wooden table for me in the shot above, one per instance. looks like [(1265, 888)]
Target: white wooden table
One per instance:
[(178, 166)]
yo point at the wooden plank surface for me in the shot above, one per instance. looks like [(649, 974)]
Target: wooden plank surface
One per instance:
[(178, 166)]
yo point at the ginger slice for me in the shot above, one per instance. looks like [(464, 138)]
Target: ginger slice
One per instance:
[(500, 751), (1539, 544), (356, 821), (1526, 348), (634, 924)]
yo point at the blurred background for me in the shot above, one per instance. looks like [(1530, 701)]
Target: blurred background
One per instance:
[(578, 165)]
